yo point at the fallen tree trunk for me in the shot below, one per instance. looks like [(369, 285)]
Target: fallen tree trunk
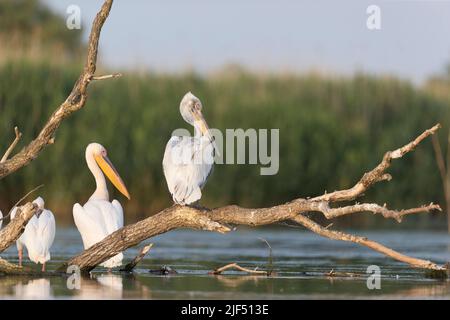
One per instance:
[(219, 219)]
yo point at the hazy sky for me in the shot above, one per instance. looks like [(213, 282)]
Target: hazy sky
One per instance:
[(331, 36)]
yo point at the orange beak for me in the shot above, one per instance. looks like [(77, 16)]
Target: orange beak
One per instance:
[(107, 167)]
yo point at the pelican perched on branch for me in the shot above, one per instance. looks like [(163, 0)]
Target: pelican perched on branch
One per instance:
[(38, 235), (99, 217), (188, 161)]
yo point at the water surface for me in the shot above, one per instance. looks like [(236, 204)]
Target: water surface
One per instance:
[(301, 261)]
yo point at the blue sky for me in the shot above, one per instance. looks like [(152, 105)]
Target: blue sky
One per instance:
[(273, 36)]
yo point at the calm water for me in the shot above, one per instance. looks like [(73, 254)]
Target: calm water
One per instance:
[(300, 260)]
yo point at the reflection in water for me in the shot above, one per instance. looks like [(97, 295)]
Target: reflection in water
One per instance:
[(301, 261), (34, 289), (438, 290), (236, 281), (103, 286)]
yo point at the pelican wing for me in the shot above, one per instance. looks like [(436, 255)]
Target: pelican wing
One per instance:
[(30, 239), (185, 168), (89, 222), (95, 221), (46, 232), (118, 214)]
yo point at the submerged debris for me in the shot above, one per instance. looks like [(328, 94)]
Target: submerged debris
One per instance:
[(165, 270), (439, 274)]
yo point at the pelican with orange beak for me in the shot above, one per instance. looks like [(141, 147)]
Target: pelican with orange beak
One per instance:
[(99, 217)]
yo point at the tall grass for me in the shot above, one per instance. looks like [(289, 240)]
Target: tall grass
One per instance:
[(331, 131)]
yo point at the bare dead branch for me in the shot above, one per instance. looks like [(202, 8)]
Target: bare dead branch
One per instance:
[(378, 173), (238, 267), (11, 268), (75, 101), (14, 229), (337, 235), (133, 263), (331, 213), (13, 145), (108, 76), (20, 200), (219, 219)]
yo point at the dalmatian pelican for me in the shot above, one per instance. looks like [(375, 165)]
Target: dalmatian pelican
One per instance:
[(188, 161), (99, 217)]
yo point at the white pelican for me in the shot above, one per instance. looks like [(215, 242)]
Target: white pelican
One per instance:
[(188, 161), (99, 217), (38, 235)]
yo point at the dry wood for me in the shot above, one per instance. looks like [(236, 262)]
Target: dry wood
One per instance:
[(15, 228), (11, 268), (13, 145), (238, 267), (133, 263), (75, 101), (337, 235), (378, 173), (218, 219), (108, 76)]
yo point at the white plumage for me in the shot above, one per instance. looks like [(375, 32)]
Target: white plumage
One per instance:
[(188, 161), (99, 217), (38, 235), (96, 220), (1, 219)]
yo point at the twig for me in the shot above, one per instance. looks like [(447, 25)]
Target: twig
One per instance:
[(14, 229), (13, 145), (270, 259), (131, 265), (20, 200), (330, 213), (337, 235), (238, 267), (108, 76), (334, 273)]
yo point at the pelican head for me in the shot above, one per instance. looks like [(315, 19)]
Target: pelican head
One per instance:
[(191, 111), (40, 203), (98, 152)]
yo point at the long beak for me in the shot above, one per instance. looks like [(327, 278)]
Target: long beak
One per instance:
[(107, 167), (204, 129), (203, 126)]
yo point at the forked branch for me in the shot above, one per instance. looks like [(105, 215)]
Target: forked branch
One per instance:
[(220, 219), (75, 101), (13, 145)]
